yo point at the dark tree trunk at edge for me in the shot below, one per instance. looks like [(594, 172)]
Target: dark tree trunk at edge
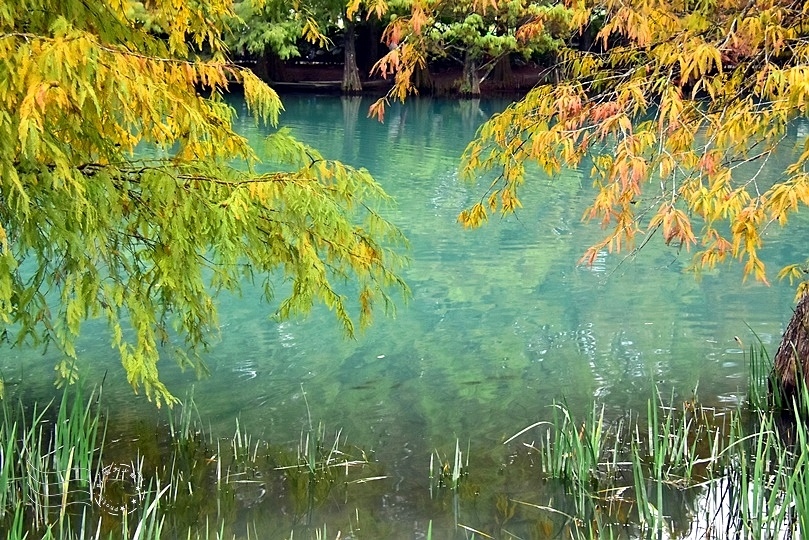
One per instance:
[(791, 363), (502, 74), (422, 79), (351, 74), (269, 68), (470, 85), (369, 35)]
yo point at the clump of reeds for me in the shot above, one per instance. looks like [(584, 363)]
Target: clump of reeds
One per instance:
[(47, 461), (447, 473), (55, 481), (744, 471)]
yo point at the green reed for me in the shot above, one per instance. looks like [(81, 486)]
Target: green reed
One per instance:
[(743, 474), (761, 379), (57, 482), (748, 466), (582, 455), (46, 460), (448, 473)]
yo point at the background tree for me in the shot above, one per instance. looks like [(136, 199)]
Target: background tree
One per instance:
[(678, 106), (273, 27), (269, 31), (480, 40), (346, 17), (125, 194), (351, 74), (476, 35)]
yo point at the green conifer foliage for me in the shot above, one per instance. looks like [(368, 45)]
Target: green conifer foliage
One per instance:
[(91, 225)]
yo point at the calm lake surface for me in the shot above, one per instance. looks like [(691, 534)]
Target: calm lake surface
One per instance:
[(502, 322)]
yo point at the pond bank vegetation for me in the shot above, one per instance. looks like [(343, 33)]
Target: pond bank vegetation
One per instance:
[(675, 470)]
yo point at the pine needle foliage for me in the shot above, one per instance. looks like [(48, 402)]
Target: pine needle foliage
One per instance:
[(677, 106), (91, 225)]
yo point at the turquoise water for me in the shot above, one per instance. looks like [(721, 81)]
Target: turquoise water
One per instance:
[(502, 321)]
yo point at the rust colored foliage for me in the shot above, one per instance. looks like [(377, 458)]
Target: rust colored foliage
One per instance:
[(678, 105)]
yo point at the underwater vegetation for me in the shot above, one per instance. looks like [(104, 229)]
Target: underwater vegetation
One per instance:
[(676, 470)]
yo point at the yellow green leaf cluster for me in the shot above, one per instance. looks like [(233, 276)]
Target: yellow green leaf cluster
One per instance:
[(125, 193), (679, 105)]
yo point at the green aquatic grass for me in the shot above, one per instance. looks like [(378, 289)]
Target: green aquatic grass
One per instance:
[(673, 469), (448, 473), (761, 379), (752, 461), (56, 482), (46, 460)]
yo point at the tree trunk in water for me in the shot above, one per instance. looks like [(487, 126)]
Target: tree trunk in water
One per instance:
[(270, 68), (351, 74), (470, 85), (791, 364), (422, 79), (502, 74)]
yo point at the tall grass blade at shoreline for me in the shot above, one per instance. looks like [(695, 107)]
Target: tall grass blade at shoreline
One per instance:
[(56, 480), (676, 469), (755, 467), (8, 437), (46, 461), (761, 380)]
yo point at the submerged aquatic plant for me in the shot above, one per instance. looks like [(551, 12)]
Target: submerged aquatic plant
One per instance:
[(58, 478), (740, 473), (677, 469)]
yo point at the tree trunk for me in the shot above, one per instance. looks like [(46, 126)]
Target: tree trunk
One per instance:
[(502, 74), (369, 37), (351, 74), (422, 79), (270, 68), (470, 85), (587, 38), (791, 364)]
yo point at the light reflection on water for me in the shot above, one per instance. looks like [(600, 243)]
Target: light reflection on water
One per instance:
[(502, 321)]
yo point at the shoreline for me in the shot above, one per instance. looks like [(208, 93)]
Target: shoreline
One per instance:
[(327, 79)]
